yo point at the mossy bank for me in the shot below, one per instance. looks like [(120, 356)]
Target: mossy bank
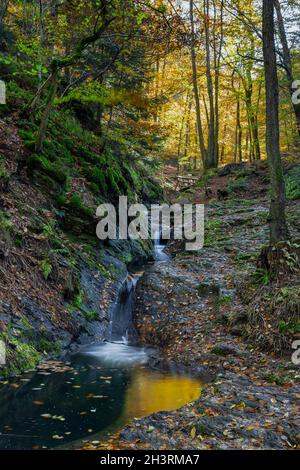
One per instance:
[(58, 281)]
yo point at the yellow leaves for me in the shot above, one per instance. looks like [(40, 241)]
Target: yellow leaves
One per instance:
[(268, 424), (193, 432), (238, 406), (38, 403), (91, 396), (57, 418)]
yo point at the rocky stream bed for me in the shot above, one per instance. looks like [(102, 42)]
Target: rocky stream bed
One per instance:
[(190, 308)]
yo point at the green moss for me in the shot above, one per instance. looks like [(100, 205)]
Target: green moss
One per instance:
[(126, 258), (48, 347), (238, 184), (4, 175), (5, 222), (224, 300), (214, 234), (46, 268), (91, 316), (18, 242), (42, 164), (20, 356), (206, 177), (76, 206), (292, 180), (206, 289), (78, 300), (261, 277)]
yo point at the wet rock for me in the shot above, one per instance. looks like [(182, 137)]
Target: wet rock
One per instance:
[(206, 288), (237, 331), (227, 349)]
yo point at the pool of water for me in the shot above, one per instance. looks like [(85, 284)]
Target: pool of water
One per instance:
[(99, 390)]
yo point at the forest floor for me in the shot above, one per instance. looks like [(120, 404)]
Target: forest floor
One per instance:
[(214, 313)]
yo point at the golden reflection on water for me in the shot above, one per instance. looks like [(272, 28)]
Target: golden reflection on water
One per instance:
[(150, 392)]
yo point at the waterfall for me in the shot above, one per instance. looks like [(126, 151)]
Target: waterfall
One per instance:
[(159, 248)]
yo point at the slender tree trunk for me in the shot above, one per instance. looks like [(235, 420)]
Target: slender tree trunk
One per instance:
[(196, 147), (41, 30), (46, 113), (287, 60), (238, 133), (182, 128), (247, 146), (218, 55), (196, 89), (222, 156), (157, 70), (188, 128), (210, 90), (3, 11), (278, 225), (252, 122)]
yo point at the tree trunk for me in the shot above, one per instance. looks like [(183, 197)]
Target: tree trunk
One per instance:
[(3, 11), (222, 156), (238, 157), (188, 128), (46, 113), (210, 90), (287, 60), (196, 89), (218, 45), (278, 225), (252, 122)]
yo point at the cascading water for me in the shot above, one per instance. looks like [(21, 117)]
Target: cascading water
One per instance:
[(121, 323), (159, 248), (117, 350), (100, 389)]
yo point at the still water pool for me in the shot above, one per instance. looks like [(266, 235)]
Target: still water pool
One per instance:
[(99, 390)]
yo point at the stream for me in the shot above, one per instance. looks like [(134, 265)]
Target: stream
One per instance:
[(95, 391)]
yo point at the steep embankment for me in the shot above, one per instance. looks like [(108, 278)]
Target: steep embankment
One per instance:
[(58, 282)]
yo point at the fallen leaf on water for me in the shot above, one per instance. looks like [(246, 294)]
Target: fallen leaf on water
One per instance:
[(56, 436)]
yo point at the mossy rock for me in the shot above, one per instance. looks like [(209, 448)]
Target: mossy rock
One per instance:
[(20, 356)]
